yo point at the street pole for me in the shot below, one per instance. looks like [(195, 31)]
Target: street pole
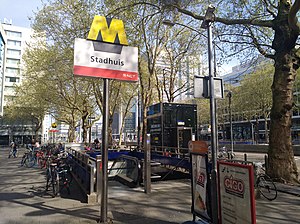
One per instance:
[(213, 128), (104, 153), (139, 121), (207, 24), (230, 117), (147, 165)]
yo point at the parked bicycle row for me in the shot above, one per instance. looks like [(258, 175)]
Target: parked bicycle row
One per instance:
[(56, 162)]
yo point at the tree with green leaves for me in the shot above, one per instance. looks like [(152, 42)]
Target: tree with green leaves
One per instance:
[(161, 57), (271, 28), (245, 28), (255, 95), (72, 100)]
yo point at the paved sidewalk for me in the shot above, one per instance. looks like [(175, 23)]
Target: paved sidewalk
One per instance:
[(23, 200)]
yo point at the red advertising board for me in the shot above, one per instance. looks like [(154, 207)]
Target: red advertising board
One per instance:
[(200, 186), (236, 193)]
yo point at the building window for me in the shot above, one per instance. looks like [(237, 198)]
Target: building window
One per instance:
[(9, 88), (12, 61), (13, 33), (12, 79), (14, 43), (13, 52), (14, 71)]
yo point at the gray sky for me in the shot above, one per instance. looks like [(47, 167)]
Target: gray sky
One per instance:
[(18, 11)]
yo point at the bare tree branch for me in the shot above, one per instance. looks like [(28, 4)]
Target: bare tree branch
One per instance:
[(269, 5), (253, 21), (258, 46)]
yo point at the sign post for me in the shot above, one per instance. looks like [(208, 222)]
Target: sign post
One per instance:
[(104, 152), (104, 55)]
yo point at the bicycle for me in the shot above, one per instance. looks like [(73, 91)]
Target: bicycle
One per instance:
[(52, 178), (58, 175), (65, 177), (264, 183), (28, 159), (223, 153)]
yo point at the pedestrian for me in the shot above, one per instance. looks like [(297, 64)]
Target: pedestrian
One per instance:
[(13, 150), (97, 143), (61, 147), (37, 145)]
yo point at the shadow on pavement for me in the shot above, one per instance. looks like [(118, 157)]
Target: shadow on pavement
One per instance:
[(122, 217)]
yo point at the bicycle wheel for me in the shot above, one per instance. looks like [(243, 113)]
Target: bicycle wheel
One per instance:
[(41, 162), (48, 176), (10, 153), (23, 160), (55, 182), (267, 187), (30, 161), (65, 180)]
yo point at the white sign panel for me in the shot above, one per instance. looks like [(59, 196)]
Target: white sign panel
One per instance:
[(236, 193), (200, 185), (105, 60), (202, 90)]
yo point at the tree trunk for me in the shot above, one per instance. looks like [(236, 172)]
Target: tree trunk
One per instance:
[(266, 130), (71, 133), (144, 128), (84, 130), (281, 155)]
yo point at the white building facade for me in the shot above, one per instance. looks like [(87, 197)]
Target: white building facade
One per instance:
[(17, 40), (13, 44), (2, 59)]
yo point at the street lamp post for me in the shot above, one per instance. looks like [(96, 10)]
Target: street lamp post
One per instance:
[(207, 24)]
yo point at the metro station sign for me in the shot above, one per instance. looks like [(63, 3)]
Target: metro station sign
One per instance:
[(104, 55)]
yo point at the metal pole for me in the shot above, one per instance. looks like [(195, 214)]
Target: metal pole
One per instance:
[(252, 133), (147, 166), (230, 115), (215, 75), (98, 177), (139, 121), (214, 193), (104, 152)]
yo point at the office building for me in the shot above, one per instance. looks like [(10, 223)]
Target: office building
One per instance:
[(2, 59), (14, 42), (17, 40)]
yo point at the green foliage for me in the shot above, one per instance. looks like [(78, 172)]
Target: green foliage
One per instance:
[(49, 64), (254, 96)]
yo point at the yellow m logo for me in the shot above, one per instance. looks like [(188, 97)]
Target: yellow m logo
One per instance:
[(108, 30)]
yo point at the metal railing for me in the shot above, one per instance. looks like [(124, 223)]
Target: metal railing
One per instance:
[(87, 172)]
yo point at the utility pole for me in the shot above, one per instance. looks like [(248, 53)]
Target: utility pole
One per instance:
[(207, 24)]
